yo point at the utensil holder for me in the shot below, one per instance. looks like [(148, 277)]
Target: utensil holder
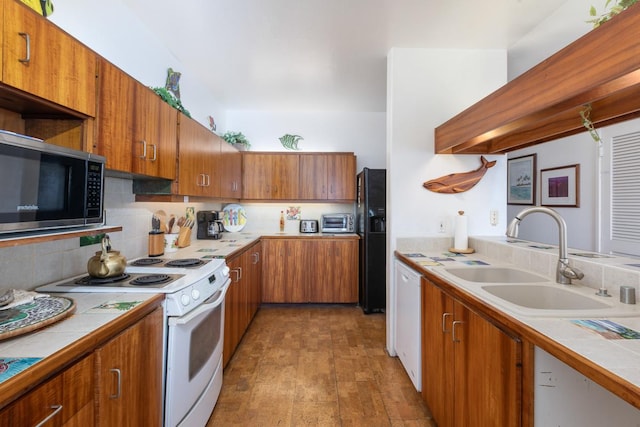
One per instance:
[(156, 243), (184, 237)]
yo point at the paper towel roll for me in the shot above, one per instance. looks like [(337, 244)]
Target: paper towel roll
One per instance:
[(461, 239)]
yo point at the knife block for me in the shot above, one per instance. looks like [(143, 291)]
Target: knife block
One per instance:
[(156, 243), (184, 237)]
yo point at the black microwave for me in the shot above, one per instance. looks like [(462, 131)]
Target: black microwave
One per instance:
[(45, 186)]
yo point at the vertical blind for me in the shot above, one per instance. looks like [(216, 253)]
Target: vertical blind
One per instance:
[(625, 193)]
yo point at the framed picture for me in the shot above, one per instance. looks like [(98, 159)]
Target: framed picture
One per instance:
[(560, 186), (521, 180)]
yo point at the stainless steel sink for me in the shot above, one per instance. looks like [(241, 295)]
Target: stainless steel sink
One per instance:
[(545, 297), (495, 275)]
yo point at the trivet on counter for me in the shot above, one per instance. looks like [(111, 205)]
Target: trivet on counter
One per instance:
[(34, 314)]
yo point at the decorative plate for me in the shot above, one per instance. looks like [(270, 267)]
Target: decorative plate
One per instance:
[(234, 217), (37, 314)]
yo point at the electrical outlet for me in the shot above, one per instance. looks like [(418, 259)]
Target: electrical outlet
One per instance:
[(493, 217), (442, 225)]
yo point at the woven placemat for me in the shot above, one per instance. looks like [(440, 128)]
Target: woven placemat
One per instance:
[(34, 315)]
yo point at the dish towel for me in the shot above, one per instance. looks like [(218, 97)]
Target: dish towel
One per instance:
[(22, 297)]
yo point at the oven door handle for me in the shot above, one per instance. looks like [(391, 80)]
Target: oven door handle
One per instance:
[(212, 302)]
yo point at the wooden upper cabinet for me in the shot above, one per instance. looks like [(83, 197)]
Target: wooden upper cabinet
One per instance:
[(155, 131), (230, 171), (602, 68), (199, 153), (328, 176), (269, 176), (114, 121), (41, 59), (341, 176), (135, 129), (313, 176)]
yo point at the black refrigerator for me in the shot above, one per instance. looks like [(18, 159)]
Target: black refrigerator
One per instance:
[(371, 227)]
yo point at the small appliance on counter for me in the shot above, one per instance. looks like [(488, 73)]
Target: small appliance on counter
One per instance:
[(308, 225), (209, 225), (338, 223)]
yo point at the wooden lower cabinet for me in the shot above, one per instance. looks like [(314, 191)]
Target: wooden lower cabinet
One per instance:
[(243, 297), (129, 375), (67, 399), (471, 369), (334, 272), (310, 270), (284, 270)]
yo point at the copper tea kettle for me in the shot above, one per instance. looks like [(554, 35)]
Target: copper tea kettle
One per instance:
[(106, 263)]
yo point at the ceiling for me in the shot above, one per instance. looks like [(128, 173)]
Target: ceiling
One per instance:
[(322, 54)]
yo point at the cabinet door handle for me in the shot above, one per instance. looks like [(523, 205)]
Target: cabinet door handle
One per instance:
[(237, 273), (155, 153), (118, 383), (144, 149), (444, 322), (240, 270), (27, 39), (56, 409), (453, 330), (208, 180), (256, 257), (200, 180)]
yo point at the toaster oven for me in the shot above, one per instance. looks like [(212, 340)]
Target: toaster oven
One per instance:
[(338, 223)]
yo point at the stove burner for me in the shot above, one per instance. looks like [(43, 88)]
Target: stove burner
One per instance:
[(147, 261), (186, 262), (89, 280), (151, 279)]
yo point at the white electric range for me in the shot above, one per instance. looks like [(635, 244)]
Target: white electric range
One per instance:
[(194, 291)]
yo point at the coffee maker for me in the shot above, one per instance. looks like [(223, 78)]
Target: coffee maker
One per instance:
[(209, 225)]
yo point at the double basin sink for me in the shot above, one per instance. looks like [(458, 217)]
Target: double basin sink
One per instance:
[(530, 294)]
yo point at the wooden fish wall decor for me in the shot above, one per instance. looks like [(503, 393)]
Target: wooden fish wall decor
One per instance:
[(459, 182)]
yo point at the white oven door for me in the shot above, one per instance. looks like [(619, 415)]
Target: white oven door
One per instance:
[(194, 350)]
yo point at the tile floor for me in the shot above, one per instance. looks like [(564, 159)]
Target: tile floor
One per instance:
[(312, 365)]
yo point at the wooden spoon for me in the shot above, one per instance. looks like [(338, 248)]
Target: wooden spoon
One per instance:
[(172, 220)]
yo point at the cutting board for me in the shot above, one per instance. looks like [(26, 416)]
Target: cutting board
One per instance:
[(34, 315)]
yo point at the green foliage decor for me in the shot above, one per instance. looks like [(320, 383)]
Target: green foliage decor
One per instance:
[(618, 7), (236, 138), (171, 99)]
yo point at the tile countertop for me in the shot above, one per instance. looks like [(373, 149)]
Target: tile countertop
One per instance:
[(230, 243), (618, 359), (91, 314)]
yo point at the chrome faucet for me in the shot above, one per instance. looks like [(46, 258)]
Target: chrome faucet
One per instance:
[(564, 272)]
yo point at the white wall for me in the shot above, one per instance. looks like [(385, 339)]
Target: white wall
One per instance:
[(561, 28), (362, 133), (581, 231), (426, 87), (113, 31)]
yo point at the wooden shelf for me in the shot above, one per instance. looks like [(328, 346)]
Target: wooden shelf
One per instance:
[(30, 238), (602, 68)]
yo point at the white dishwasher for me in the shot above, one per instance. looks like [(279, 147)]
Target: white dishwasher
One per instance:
[(408, 321)]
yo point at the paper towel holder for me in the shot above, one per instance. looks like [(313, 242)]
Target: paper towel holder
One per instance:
[(461, 250)]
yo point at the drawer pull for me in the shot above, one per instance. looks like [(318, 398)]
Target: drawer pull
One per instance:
[(56, 409), (27, 39), (453, 330), (144, 149), (444, 322), (119, 383)]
